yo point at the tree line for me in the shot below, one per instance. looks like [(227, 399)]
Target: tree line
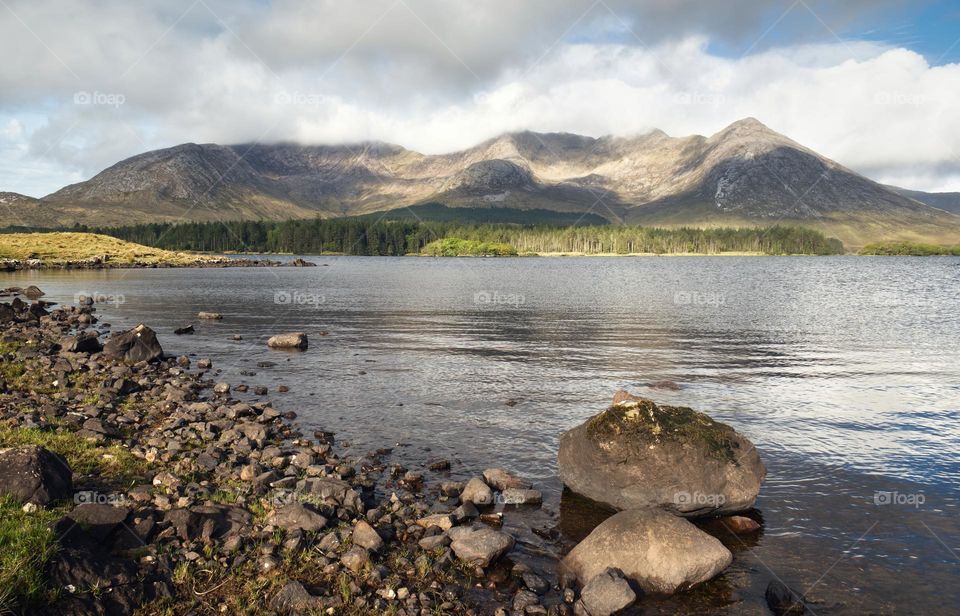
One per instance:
[(361, 236)]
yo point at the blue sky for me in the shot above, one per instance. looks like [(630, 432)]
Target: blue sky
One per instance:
[(873, 84)]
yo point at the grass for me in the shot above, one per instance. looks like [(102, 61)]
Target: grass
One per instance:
[(909, 249), (26, 542), (109, 463), (61, 248)]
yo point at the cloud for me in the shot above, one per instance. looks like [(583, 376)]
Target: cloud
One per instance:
[(111, 79)]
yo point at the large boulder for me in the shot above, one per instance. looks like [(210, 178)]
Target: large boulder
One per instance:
[(295, 340), (663, 553), (35, 475), (638, 454), (135, 345)]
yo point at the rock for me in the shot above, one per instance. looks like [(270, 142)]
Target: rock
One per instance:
[(638, 454), (784, 601), (433, 542), (210, 316), (739, 524), (477, 492), (479, 545), (367, 537), (607, 593), (296, 516), (295, 340), (35, 475), (84, 342), (335, 492), (221, 388), (294, 598), (181, 331), (135, 345), (355, 559), (204, 364), (534, 582), (663, 553), (99, 520), (440, 520), (500, 479), (517, 496), (451, 488)]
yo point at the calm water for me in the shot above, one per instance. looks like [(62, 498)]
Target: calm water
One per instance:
[(844, 371)]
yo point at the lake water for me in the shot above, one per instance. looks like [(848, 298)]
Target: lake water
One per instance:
[(845, 372)]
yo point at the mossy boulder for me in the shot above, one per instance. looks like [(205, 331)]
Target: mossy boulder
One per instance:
[(639, 454)]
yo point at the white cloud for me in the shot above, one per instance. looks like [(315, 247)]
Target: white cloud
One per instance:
[(111, 80)]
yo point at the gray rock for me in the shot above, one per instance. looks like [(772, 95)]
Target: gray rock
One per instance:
[(355, 559), (294, 598), (367, 536), (210, 316), (607, 593), (500, 479), (294, 340), (663, 553), (34, 475), (519, 496), (134, 345), (477, 492), (296, 516), (637, 454), (479, 545)]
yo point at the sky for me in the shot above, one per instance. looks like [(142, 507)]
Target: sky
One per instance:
[(872, 84)]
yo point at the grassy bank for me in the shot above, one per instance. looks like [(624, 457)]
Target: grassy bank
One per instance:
[(909, 249), (78, 248), (456, 247)]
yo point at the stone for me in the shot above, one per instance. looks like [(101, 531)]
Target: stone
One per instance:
[(84, 342), (739, 524), (355, 559), (293, 597), (441, 520), (297, 516), (519, 496), (367, 536), (434, 541), (99, 519), (663, 553), (134, 345), (210, 316), (294, 340), (534, 582), (479, 545), (607, 593), (477, 492), (500, 479), (784, 601), (35, 475), (637, 454)]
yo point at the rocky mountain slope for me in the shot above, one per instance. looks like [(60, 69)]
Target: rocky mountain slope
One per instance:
[(949, 201), (745, 174)]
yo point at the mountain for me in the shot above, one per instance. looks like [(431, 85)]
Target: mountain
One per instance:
[(948, 201), (745, 175)]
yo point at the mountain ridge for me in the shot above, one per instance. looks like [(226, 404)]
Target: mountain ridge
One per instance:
[(745, 174)]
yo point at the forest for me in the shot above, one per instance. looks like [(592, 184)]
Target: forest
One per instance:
[(368, 236)]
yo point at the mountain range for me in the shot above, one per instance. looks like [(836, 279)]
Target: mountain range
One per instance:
[(744, 175)]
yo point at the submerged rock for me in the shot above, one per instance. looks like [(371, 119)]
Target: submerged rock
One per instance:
[(638, 454), (479, 545), (210, 316), (784, 601), (663, 553)]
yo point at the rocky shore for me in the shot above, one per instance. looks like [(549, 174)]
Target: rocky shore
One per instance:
[(134, 482), (103, 262)]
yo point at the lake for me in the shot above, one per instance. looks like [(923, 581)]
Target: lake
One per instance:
[(844, 371)]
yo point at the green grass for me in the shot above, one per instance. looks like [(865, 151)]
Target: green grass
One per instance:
[(57, 248), (26, 542), (909, 249), (456, 247), (110, 463)]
